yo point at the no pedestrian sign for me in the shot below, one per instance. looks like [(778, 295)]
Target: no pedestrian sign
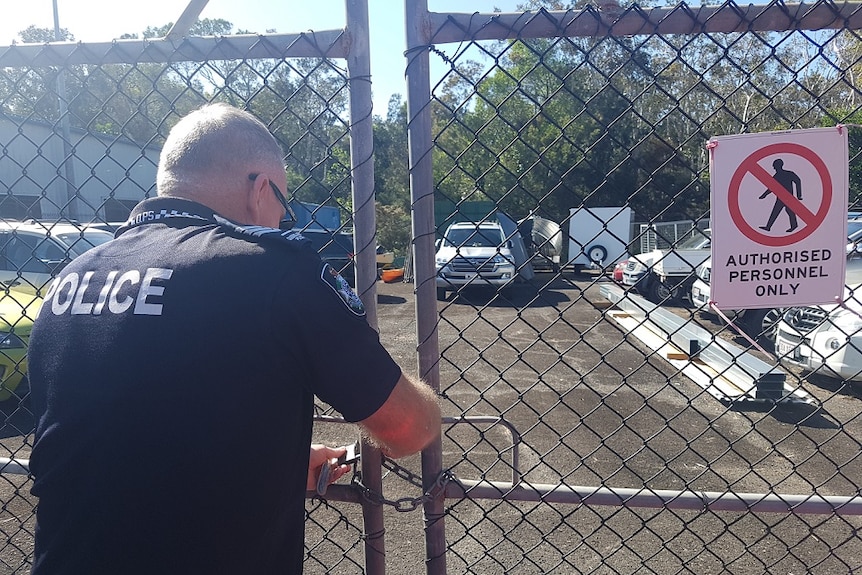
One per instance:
[(779, 218)]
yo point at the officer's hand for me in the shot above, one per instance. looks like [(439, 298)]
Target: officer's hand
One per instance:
[(322, 455)]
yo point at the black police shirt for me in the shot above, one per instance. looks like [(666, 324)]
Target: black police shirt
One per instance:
[(172, 372)]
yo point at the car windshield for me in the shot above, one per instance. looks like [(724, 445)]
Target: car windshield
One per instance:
[(854, 227), (473, 237), (699, 241), (80, 242)]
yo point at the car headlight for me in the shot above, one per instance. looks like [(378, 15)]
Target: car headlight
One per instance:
[(636, 268), (499, 259), (441, 262), (11, 341)]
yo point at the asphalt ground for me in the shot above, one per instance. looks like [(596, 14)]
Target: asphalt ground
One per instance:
[(593, 407)]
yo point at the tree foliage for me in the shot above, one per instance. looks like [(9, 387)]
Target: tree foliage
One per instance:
[(544, 126)]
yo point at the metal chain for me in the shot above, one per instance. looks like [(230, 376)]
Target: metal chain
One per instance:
[(404, 504)]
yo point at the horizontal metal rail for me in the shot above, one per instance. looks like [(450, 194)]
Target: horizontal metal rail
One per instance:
[(14, 466), (327, 44), (612, 20), (658, 498)]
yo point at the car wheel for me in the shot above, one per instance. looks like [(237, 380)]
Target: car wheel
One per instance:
[(660, 292), (597, 254), (762, 323), (441, 294)]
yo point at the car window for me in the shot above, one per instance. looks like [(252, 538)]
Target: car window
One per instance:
[(698, 241), (80, 242), (23, 252), (48, 251), (483, 237)]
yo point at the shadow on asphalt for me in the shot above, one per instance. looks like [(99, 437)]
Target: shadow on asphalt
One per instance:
[(800, 414), (390, 299), (544, 290)]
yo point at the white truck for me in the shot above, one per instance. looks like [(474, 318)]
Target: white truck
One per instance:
[(663, 275)]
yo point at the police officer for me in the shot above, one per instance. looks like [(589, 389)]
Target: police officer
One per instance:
[(173, 373)]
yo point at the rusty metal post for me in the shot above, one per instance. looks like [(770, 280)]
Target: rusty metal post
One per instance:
[(424, 269), (365, 245)]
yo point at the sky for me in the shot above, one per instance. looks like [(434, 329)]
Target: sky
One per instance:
[(104, 20)]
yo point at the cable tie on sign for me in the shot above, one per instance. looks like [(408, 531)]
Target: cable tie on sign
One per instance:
[(711, 144), (843, 304), (712, 304)]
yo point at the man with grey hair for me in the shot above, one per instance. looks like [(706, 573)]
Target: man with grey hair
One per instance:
[(173, 372)]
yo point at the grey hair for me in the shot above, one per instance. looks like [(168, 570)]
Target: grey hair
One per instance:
[(211, 144)]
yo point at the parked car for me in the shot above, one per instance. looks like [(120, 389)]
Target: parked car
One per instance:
[(474, 254), (663, 275), (32, 252), (826, 339), (758, 323), (18, 310)]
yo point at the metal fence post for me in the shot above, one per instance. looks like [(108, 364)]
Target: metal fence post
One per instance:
[(364, 234), (422, 198)]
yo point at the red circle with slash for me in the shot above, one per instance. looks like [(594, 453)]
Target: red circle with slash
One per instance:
[(750, 166)]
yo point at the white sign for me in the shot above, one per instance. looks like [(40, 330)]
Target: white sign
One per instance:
[(779, 218)]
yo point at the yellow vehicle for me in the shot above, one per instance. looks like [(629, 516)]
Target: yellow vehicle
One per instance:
[(18, 310)]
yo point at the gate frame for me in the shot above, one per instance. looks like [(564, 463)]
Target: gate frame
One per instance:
[(351, 44), (424, 30)]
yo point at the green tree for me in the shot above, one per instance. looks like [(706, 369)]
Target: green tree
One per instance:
[(391, 160)]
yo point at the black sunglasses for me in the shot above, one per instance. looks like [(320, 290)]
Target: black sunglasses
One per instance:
[(288, 212)]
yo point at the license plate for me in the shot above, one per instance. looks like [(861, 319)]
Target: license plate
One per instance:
[(785, 348)]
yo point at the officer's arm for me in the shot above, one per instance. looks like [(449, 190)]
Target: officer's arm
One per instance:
[(408, 421)]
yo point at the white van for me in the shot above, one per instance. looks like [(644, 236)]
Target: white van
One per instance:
[(474, 254)]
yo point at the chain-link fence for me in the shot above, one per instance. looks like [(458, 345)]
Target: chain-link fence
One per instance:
[(631, 436), (587, 429)]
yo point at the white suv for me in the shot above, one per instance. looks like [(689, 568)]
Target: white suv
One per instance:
[(474, 254), (826, 339), (32, 252)]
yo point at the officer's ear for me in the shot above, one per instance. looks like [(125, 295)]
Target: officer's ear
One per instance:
[(257, 204)]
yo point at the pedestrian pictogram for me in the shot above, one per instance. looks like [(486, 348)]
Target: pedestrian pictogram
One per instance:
[(788, 182), (779, 218), (785, 186)]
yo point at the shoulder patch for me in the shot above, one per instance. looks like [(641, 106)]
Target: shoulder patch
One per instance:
[(342, 289)]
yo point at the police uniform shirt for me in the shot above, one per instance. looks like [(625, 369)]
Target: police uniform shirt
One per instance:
[(172, 376)]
